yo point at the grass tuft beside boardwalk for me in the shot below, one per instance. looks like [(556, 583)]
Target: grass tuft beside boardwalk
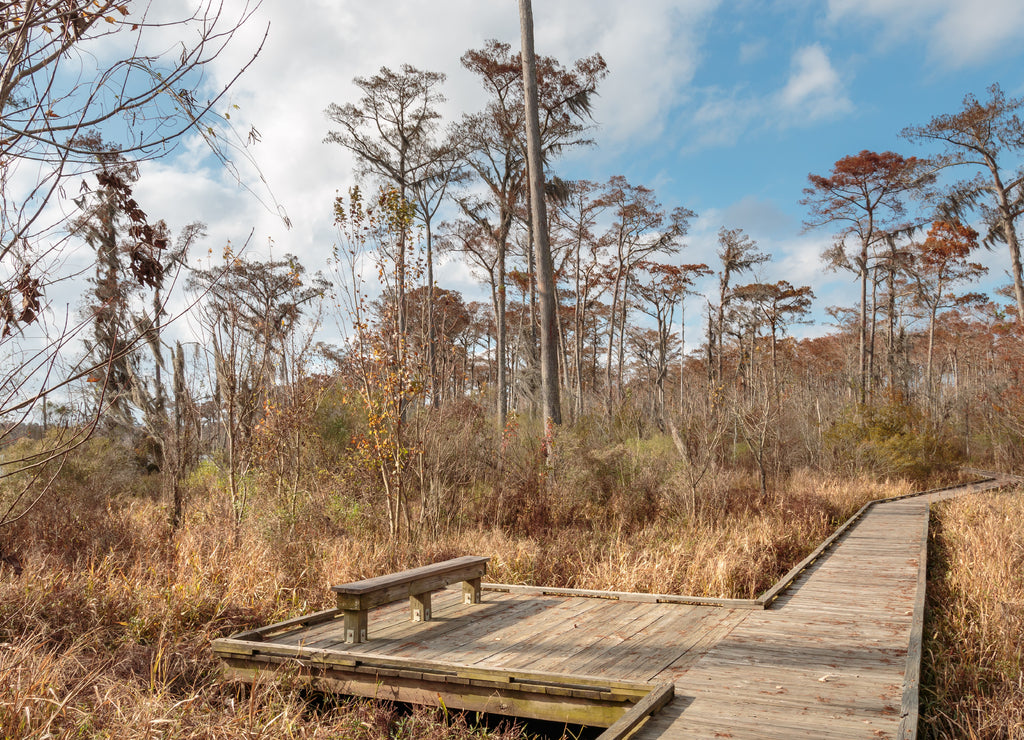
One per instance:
[(973, 662)]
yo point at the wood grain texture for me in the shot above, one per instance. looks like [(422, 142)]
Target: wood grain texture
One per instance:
[(636, 716), (371, 592)]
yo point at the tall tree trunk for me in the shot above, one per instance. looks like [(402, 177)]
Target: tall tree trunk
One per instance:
[(532, 357), (719, 371), (862, 329), (177, 500), (545, 271), (1006, 218), (871, 339), (501, 377), (561, 342), (890, 338), (663, 337), (682, 351), (621, 342), (712, 392), (579, 326), (612, 319), (931, 355), (400, 292), (431, 329)]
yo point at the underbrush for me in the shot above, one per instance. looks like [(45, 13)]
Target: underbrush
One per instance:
[(87, 689), (106, 631), (894, 439), (973, 663)]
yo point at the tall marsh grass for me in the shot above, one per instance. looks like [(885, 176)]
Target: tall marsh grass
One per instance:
[(106, 631), (973, 662)]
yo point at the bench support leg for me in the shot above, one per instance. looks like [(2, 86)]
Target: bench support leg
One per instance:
[(419, 604), (471, 591), (355, 625)]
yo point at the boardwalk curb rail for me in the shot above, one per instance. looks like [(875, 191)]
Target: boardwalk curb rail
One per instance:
[(765, 600), (570, 698), (658, 697), (630, 596), (907, 729)]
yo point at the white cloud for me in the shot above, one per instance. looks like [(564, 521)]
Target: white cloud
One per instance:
[(968, 34), (751, 51), (814, 90), (761, 217), (652, 55), (958, 33), (307, 64), (799, 261), (316, 47), (724, 117), (796, 259)]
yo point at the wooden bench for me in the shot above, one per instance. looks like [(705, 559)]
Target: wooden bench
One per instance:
[(356, 599)]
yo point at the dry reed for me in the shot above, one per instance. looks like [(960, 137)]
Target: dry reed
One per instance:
[(973, 662), (106, 632)]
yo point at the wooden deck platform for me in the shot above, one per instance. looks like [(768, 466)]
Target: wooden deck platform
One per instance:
[(834, 654)]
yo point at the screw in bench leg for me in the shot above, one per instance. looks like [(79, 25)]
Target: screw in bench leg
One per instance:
[(471, 591), (420, 606), (355, 625)]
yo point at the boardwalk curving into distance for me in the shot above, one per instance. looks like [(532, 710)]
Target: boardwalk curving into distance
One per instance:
[(832, 651)]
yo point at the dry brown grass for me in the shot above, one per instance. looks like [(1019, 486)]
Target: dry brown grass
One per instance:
[(736, 547), (106, 633), (73, 693), (973, 663), (117, 645)]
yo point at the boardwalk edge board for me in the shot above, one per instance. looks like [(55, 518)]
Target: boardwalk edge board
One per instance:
[(237, 648), (572, 698), (261, 633), (630, 596), (765, 600), (641, 711), (907, 729)]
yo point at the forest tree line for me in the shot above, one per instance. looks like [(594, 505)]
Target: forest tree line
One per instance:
[(923, 367)]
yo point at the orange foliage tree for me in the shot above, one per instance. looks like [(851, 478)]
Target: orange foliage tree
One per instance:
[(864, 195), (941, 262)]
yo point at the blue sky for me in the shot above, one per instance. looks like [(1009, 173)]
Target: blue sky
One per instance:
[(720, 107)]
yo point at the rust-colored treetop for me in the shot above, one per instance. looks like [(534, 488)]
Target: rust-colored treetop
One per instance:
[(979, 132), (861, 182)]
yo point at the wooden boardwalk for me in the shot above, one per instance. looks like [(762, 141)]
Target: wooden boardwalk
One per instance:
[(836, 654)]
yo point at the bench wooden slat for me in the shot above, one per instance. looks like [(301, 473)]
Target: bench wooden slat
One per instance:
[(405, 576)]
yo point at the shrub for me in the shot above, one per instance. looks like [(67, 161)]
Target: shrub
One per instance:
[(893, 440)]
